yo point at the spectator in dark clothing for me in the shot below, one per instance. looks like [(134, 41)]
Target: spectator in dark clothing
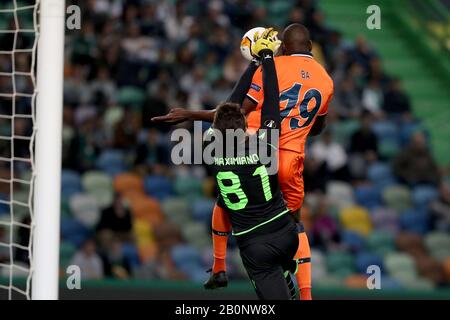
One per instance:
[(156, 105), (314, 175), (363, 147), (115, 263), (415, 165), (362, 53), (364, 141), (152, 151), (396, 102), (116, 218)]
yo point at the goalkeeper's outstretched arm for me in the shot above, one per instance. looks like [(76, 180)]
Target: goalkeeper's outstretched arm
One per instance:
[(241, 88), (238, 95)]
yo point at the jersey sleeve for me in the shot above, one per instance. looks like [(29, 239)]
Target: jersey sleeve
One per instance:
[(256, 92)]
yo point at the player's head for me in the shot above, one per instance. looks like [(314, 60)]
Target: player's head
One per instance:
[(296, 39), (229, 116)]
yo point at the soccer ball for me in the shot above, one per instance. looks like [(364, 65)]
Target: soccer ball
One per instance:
[(247, 42)]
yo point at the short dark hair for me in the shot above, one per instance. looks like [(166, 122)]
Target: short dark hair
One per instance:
[(229, 116)]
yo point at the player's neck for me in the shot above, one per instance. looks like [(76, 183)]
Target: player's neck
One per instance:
[(301, 52)]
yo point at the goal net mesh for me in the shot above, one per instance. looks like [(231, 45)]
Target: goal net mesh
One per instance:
[(18, 42)]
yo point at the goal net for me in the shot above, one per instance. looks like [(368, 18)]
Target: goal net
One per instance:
[(18, 42), (25, 159)]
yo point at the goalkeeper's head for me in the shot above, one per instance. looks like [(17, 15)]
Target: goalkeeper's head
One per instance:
[(229, 116)]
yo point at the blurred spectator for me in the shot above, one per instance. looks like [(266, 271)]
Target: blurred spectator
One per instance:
[(89, 261), (125, 133), (137, 46), (297, 15), (325, 231), (116, 218), (197, 87), (363, 147), (116, 265), (440, 209), (332, 155), (415, 165), (155, 104), (396, 102), (372, 97), (176, 22), (348, 104), (362, 53), (103, 88), (234, 66), (364, 142), (152, 151)]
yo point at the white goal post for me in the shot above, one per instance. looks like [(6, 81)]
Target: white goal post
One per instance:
[(49, 106)]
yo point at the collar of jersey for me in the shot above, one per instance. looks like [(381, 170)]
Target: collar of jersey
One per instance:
[(303, 54)]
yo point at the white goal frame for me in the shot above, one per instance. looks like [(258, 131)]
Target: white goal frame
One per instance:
[(48, 146)]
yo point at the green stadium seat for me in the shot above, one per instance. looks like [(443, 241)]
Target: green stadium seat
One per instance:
[(196, 234), (100, 186), (340, 264), (176, 210), (343, 130), (397, 197), (388, 149), (401, 267), (381, 242), (329, 281), (414, 283), (131, 96), (340, 194), (85, 209), (188, 187), (438, 244)]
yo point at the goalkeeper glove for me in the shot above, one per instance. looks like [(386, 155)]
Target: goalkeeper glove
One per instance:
[(267, 41)]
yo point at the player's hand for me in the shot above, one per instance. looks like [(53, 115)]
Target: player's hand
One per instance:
[(266, 41), (175, 116)]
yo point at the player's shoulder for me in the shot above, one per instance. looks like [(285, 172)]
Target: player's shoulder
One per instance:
[(324, 75)]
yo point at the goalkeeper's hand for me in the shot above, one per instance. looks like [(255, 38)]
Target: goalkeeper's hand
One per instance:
[(266, 41)]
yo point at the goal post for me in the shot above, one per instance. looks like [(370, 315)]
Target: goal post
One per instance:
[(48, 146)]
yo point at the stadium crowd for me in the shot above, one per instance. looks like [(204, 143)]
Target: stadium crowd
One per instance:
[(375, 195)]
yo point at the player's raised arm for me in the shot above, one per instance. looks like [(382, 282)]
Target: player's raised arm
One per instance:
[(178, 115), (270, 114), (243, 85)]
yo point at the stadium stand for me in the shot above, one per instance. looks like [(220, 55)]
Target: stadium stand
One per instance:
[(129, 211)]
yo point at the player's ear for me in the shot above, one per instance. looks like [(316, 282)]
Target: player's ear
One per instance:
[(310, 45)]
